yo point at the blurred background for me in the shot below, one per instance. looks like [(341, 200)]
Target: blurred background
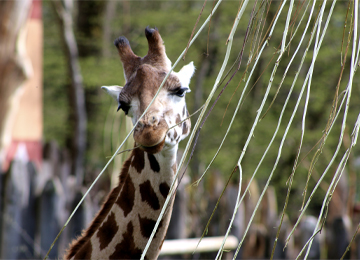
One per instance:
[(58, 129)]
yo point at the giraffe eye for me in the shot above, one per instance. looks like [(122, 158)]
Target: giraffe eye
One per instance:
[(180, 92)]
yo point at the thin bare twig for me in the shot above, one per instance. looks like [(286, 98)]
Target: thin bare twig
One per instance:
[(193, 31), (193, 114), (124, 151)]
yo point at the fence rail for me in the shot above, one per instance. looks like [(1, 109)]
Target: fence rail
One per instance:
[(190, 245)]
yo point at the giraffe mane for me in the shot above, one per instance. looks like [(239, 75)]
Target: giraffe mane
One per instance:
[(77, 243)]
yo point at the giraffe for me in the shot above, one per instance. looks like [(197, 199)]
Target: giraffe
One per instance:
[(124, 224)]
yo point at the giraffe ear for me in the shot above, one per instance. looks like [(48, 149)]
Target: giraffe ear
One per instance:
[(186, 73), (113, 91)]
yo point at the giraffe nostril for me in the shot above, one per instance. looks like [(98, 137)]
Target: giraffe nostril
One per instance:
[(140, 124), (153, 120)]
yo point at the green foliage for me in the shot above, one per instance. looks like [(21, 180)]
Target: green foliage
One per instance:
[(56, 107)]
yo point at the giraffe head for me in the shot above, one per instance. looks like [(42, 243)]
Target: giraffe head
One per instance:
[(165, 123)]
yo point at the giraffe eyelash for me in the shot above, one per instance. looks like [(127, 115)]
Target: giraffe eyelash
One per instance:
[(180, 92)]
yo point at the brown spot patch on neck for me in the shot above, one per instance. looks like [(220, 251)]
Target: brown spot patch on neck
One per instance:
[(148, 195), (107, 231), (147, 225), (83, 244), (164, 189), (126, 249), (85, 252), (154, 164), (127, 196), (139, 160)]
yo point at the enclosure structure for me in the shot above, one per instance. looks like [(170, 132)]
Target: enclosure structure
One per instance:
[(275, 88)]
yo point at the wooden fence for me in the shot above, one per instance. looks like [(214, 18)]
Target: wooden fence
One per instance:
[(34, 205)]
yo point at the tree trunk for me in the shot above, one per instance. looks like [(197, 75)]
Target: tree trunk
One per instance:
[(63, 10), (14, 63), (110, 11), (88, 26)]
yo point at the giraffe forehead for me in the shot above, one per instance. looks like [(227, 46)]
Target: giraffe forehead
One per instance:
[(141, 88), (166, 103)]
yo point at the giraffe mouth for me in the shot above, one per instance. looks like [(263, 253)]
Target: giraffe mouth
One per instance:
[(153, 149), (151, 138)]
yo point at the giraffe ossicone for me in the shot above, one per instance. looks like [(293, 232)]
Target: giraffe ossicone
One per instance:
[(124, 224)]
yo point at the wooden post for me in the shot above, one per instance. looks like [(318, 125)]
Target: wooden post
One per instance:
[(17, 232), (77, 223), (48, 216), (238, 227), (177, 225), (2, 193), (54, 194)]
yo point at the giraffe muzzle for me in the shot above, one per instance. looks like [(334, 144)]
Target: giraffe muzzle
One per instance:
[(150, 134)]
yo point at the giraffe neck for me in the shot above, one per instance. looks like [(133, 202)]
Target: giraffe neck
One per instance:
[(125, 222)]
